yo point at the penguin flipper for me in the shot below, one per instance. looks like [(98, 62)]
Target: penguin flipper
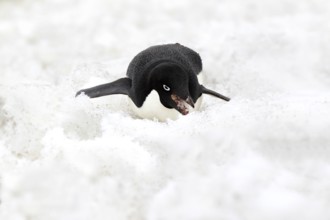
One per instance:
[(213, 93), (120, 86)]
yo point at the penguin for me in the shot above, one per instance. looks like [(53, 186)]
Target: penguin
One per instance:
[(162, 82)]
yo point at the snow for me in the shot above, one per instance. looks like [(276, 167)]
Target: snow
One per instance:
[(263, 155)]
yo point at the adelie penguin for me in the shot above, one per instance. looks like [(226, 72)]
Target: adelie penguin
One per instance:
[(162, 82)]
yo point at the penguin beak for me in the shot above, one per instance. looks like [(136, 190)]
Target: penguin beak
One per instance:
[(182, 105)]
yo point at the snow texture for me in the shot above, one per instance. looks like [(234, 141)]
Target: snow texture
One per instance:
[(263, 155)]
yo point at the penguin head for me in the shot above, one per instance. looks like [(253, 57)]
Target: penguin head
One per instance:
[(172, 84)]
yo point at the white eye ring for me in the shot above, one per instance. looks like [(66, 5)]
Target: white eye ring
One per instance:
[(166, 88)]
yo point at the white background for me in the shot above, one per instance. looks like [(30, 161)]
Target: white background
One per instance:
[(263, 155)]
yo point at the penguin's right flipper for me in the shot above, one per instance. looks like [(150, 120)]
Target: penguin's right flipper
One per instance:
[(120, 86)]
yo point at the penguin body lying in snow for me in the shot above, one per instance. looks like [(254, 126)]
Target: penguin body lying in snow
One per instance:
[(162, 82)]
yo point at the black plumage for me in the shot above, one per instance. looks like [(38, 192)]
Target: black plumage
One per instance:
[(162, 67)]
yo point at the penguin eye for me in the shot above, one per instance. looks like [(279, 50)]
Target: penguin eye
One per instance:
[(166, 88)]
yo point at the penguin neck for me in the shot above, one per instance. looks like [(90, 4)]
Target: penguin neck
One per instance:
[(141, 90), (139, 93)]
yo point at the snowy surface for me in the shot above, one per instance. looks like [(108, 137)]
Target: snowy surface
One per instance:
[(263, 155)]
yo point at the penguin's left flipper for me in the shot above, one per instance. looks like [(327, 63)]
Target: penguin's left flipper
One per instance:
[(213, 93), (120, 86)]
